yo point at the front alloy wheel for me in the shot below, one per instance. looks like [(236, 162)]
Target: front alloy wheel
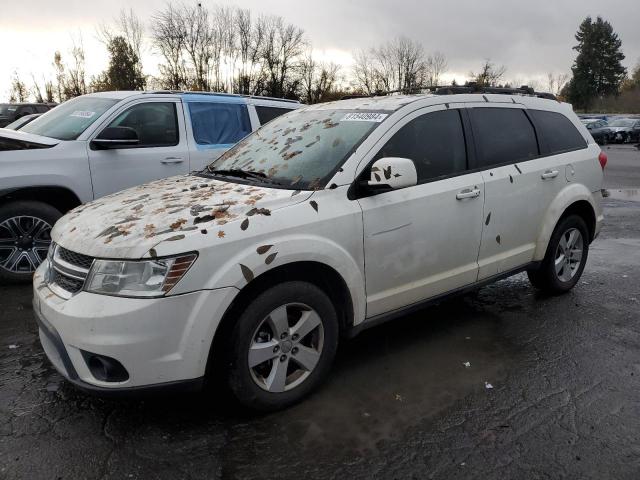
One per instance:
[(281, 346), (286, 347)]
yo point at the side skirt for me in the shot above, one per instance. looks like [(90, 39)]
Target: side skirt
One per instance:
[(392, 315)]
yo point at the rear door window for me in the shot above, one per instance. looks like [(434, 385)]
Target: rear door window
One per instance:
[(266, 114), (435, 143), (557, 132), (219, 123), (503, 136)]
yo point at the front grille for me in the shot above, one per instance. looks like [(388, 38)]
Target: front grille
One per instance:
[(77, 259), (71, 285), (69, 271)]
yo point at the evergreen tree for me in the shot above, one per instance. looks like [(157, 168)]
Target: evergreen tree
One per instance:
[(124, 72), (597, 70)]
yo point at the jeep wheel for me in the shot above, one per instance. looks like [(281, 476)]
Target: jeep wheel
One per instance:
[(282, 346), (25, 229), (565, 259)]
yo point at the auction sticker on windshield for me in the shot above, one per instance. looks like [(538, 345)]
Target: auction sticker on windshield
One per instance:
[(364, 117), (82, 114)]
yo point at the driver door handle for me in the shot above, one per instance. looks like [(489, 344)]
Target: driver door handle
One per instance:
[(170, 160), (468, 193), (549, 174)]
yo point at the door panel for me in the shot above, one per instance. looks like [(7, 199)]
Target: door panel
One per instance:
[(159, 154), (421, 241)]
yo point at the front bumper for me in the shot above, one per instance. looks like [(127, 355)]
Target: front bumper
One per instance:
[(163, 343)]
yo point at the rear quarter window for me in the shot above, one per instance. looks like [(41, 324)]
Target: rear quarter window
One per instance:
[(557, 133), (503, 136), (266, 114)]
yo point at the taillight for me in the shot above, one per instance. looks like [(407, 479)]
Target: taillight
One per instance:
[(602, 158)]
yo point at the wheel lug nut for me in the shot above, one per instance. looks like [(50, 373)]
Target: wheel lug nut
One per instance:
[(294, 350), (276, 349), (294, 336), (283, 358), (284, 335)]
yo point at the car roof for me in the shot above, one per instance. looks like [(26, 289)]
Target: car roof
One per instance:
[(396, 102), (196, 96)]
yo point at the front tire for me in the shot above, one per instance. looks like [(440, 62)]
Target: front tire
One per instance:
[(25, 236), (565, 259), (282, 346)]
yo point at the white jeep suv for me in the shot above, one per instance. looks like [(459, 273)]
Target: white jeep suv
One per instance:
[(325, 221)]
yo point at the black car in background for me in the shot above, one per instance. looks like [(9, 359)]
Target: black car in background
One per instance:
[(625, 130), (599, 130), (10, 112)]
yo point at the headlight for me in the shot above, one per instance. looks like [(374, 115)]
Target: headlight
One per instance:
[(144, 278)]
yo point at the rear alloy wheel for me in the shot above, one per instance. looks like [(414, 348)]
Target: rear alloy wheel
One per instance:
[(565, 259), (25, 236), (282, 346)]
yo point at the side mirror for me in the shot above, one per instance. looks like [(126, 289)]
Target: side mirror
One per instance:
[(392, 173), (115, 137)]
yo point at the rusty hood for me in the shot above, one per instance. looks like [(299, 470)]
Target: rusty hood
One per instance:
[(129, 224)]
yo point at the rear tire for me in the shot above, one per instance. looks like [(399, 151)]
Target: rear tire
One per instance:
[(270, 366), (25, 236), (565, 259)]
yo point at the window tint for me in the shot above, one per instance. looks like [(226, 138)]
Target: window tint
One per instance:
[(266, 114), (219, 123), (155, 123), (503, 135), (435, 143), (557, 133), (42, 108)]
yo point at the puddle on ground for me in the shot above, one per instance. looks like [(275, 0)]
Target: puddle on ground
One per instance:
[(632, 194)]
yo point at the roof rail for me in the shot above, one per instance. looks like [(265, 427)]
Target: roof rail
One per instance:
[(470, 87), (218, 94)]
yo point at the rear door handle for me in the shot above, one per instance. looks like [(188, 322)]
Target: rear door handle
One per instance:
[(468, 193), (549, 174), (169, 160)]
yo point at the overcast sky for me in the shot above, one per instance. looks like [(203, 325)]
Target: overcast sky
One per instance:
[(529, 38)]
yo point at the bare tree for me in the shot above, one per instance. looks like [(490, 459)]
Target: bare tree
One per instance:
[(250, 37), (555, 83), (36, 91), (58, 67), (400, 64), (282, 46), (169, 37), (76, 83), (489, 75), (318, 79), (436, 65), (198, 40), (365, 73), (19, 91)]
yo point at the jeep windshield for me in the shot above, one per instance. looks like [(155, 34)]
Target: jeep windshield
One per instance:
[(69, 120), (300, 150)]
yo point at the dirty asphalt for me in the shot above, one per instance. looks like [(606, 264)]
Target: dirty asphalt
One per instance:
[(400, 402)]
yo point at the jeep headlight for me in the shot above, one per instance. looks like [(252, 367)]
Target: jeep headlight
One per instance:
[(137, 278)]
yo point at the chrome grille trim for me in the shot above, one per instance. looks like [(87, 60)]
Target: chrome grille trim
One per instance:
[(69, 271)]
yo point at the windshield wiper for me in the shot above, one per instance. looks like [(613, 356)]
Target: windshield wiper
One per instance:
[(236, 172)]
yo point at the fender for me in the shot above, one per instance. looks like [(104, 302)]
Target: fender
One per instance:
[(572, 193), (248, 263)]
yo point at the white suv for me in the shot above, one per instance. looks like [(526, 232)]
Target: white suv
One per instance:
[(325, 221)]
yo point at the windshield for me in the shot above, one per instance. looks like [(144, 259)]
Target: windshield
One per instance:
[(69, 120), (622, 122), (300, 150), (6, 109)]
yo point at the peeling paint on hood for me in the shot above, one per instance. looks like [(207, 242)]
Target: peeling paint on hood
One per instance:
[(131, 223)]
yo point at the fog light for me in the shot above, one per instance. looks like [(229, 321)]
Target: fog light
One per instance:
[(105, 369)]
